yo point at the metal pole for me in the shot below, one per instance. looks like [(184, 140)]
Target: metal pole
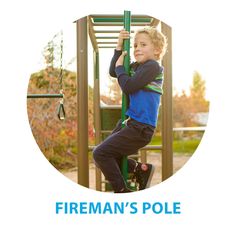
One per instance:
[(127, 20), (82, 101), (167, 126)]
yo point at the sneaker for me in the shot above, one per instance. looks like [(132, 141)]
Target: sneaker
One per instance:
[(143, 174)]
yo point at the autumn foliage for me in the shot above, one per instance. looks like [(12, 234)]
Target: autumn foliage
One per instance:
[(56, 138)]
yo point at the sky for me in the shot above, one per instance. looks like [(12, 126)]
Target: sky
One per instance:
[(187, 57)]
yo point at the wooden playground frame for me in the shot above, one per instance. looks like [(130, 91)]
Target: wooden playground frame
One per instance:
[(89, 26)]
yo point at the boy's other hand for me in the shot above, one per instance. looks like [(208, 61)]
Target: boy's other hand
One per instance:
[(120, 60)]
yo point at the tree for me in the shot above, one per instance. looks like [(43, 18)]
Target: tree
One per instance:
[(185, 107), (56, 139), (197, 94), (182, 114)]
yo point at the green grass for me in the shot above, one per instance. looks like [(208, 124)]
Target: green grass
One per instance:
[(187, 145)]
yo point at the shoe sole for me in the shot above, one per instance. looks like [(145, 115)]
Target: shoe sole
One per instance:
[(150, 177)]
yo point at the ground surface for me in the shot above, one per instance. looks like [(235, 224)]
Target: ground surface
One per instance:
[(154, 158)]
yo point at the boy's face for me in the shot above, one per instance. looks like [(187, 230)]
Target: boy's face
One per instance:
[(143, 48)]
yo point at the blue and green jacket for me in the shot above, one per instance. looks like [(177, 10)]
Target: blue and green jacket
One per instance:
[(143, 86)]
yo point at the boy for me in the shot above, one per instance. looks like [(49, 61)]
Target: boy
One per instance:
[(144, 88)]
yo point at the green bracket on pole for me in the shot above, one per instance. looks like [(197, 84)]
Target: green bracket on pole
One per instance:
[(127, 22)]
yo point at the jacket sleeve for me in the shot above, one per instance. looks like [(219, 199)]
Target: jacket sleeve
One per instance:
[(143, 76), (113, 62)]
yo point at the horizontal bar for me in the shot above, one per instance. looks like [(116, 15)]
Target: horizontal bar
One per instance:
[(106, 37), (197, 128), (108, 31), (152, 147), (120, 19), (110, 106), (175, 130), (107, 43), (118, 16), (45, 95), (118, 24), (146, 148), (107, 47)]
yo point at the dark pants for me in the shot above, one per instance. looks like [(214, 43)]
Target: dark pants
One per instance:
[(122, 142)]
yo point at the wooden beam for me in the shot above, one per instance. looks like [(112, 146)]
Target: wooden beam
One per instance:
[(167, 125), (82, 101), (92, 35)]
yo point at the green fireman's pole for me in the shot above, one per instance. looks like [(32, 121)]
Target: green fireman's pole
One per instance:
[(127, 21)]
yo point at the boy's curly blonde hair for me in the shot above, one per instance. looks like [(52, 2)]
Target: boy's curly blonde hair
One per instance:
[(158, 39)]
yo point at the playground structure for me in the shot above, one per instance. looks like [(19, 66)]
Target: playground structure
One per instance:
[(103, 33)]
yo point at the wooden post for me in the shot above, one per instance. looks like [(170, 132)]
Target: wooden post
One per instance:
[(167, 126), (82, 101), (97, 115)]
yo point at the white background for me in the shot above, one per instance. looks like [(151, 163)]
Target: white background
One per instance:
[(30, 186)]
